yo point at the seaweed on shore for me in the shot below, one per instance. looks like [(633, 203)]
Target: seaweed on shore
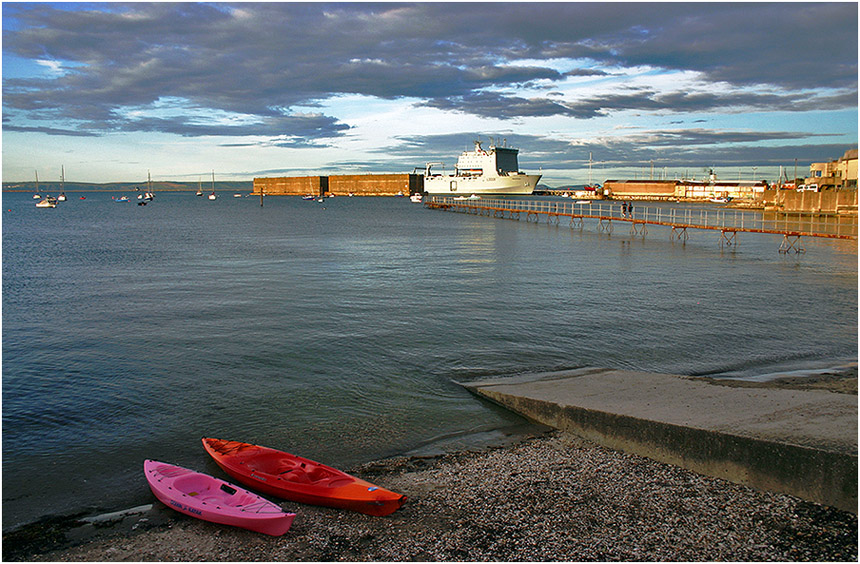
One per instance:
[(44, 535)]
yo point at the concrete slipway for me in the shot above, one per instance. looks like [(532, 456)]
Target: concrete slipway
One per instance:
[(800, 442)]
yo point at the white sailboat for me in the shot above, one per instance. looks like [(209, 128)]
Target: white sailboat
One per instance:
[(199, 186), (36, 196), (62, 196), (212, 196), (47, 201), (148, 196)]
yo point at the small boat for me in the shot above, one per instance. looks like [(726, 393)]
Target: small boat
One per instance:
[(309, 197), (237, 195), (720, 200), (47, 202), (582, 202), (211, 499), (287, 476), (62, 196), (36, 196), (199, 188), (82, 198), (474, 197), (122, 199), (212, 196), (416, 198), (149, 195)]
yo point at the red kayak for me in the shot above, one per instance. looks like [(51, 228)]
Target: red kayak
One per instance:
[(298, 479)]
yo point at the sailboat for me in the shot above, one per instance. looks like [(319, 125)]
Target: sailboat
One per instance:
[(47, 201), (62, 196), (199, 186), (212, 196), (36, 196), (148, 196)]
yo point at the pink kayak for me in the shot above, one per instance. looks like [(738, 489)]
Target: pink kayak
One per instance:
[(211, 499)]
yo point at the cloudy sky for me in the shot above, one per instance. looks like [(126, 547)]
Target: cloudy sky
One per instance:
[(111, 90)]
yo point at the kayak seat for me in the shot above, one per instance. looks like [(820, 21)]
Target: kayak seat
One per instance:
[(296, 475), (273, 464), (193, 484), (318, 474)]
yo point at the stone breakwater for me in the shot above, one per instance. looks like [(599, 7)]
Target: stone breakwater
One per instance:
[(548, 498)]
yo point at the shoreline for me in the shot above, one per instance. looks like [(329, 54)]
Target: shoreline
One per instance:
[(547, 496)]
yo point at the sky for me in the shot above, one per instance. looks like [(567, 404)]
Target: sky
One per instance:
[(586, 91)]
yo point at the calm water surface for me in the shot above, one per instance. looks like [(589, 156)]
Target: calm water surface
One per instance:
[(339, 330)]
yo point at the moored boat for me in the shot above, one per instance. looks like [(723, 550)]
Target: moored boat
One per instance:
[(298, 479), (493, 171), (211, 499), (62, 196), (212, 196), (416, 198)]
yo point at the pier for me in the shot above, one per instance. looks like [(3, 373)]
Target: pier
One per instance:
[(606, 215)]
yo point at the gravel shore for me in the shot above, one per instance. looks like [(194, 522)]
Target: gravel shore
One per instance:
[(548, 497), (551, 497)]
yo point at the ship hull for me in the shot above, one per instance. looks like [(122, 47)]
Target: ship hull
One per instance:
[(518, 184)]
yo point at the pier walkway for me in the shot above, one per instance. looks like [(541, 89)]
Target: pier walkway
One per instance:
[(728, 222), (800, 442)]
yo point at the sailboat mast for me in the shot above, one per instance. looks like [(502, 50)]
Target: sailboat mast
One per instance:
[(589, 168)]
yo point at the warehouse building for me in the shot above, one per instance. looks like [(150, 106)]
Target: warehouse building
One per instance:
[(341, 185)]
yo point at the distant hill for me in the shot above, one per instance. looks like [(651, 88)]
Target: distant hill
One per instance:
[(161, 186)]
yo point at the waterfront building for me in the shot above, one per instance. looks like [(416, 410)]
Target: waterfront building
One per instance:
[(341, 185), (839, 174)]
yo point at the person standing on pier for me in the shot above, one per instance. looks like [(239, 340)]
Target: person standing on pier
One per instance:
[(623, 209), (630, 209)]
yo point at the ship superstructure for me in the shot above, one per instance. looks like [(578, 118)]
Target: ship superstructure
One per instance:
[(493, 171)]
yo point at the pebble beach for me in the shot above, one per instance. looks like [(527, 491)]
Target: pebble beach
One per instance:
[(549, 497)]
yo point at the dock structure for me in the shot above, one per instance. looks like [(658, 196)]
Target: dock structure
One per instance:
[(340, 185), (728, 222), (799, 442)]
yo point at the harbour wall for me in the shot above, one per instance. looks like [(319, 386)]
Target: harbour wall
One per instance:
[(291, 186), (828, 202), (341, 185)]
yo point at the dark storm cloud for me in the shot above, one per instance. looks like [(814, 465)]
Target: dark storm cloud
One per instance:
[(264, 60), (499, 106)]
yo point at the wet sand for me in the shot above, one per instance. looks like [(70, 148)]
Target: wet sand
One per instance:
[(548, 497)]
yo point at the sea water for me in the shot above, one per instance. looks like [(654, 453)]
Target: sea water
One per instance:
[(339, 330)]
